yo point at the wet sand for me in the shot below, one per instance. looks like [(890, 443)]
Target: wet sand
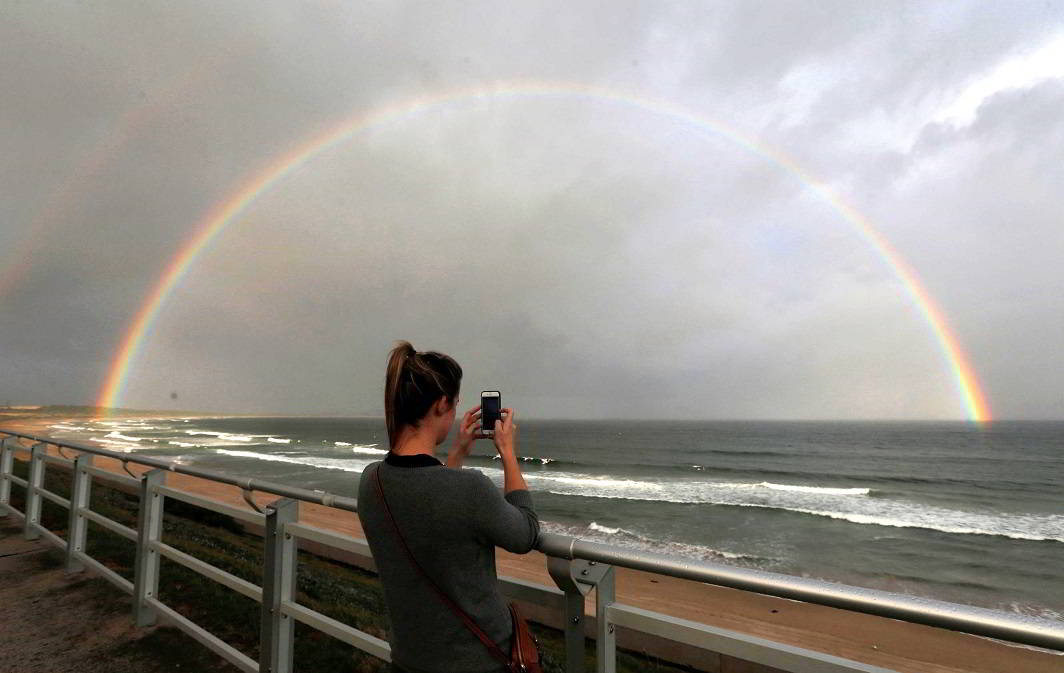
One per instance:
[(888, 643)]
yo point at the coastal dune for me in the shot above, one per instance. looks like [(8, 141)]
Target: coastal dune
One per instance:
[(888, 643)]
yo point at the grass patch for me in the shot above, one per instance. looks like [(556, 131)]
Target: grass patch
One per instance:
[(169, 645), (343, 592)]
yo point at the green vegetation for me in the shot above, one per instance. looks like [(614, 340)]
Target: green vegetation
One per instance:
[(343, 592)]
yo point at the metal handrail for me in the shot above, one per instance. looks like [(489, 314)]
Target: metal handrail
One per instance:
[(1015, 628), (965, 618)]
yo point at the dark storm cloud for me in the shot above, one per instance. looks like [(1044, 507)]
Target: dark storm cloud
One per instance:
[(589, 259)]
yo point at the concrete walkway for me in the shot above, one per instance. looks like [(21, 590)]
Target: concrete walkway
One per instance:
[(52, 622)]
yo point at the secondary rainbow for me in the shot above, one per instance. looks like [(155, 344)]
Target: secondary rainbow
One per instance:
[(61, 206), (225, 212)]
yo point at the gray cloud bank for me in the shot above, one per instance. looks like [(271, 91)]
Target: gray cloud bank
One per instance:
[(587, 256)]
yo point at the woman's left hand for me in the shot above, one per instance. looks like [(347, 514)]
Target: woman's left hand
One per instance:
[(469, 430)]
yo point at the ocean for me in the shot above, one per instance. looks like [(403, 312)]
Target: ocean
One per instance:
[(947, 510)]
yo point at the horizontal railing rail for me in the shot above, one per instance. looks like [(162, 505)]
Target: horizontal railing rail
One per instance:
[(575, 565)]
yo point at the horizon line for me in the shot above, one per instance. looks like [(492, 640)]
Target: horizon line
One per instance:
[(43, 408)]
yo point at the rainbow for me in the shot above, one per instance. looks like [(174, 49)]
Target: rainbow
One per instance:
[(225, 212)]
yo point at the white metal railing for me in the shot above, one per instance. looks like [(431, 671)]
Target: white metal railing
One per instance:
[(576, 566)]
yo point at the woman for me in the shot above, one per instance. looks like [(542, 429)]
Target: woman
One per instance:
[(452, 520)]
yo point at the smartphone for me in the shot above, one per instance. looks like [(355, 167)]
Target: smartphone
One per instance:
[(490, 410)]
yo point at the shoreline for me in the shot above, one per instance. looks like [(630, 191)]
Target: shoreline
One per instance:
[(874, 640)]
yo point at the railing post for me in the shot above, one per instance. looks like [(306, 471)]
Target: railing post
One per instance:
[(33, 498), (576, 577), (278, 584), (149, 528), (606, 643), (574, 632), (561, 571), (7, 464), (80, 488)]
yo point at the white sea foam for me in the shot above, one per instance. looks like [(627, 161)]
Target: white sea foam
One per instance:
[(212, 442), (529, 459), (62, 426), (596, 532), (368, 449), (815, 489), (278, 440), (360, 448), (116, 435), (1035, 527), (1036, 611), (345, 464), (126, 424), (137, 425), (605, 484), (259, 456), (224, 435), (847, 504), (115, 445), (796, 488), (117, 427)]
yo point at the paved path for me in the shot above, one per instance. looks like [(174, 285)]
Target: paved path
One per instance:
[(52, 622)]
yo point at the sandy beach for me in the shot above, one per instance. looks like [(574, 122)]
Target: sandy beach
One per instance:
[(883, 642)]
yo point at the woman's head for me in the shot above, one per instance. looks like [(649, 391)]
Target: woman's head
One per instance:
[(419, 385)]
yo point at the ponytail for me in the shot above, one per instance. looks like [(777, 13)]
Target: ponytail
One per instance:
[(413, 384)]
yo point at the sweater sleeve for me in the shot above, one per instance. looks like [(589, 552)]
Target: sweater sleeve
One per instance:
[(506, 521)]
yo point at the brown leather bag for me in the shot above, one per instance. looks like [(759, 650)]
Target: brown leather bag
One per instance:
[(524, 650)]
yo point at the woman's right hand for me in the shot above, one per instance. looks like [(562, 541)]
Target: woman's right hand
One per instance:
[(505, 436)]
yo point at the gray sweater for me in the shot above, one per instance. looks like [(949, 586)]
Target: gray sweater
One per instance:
[(452, 520)]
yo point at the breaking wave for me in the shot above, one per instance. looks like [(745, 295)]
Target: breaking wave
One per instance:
[(345, 464), (845, 504), (367, 449), (596, 532)]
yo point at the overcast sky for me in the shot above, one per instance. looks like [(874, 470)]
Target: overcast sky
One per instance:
[(589, 256)]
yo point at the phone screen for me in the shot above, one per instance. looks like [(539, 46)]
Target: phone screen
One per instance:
[(490, 407)]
